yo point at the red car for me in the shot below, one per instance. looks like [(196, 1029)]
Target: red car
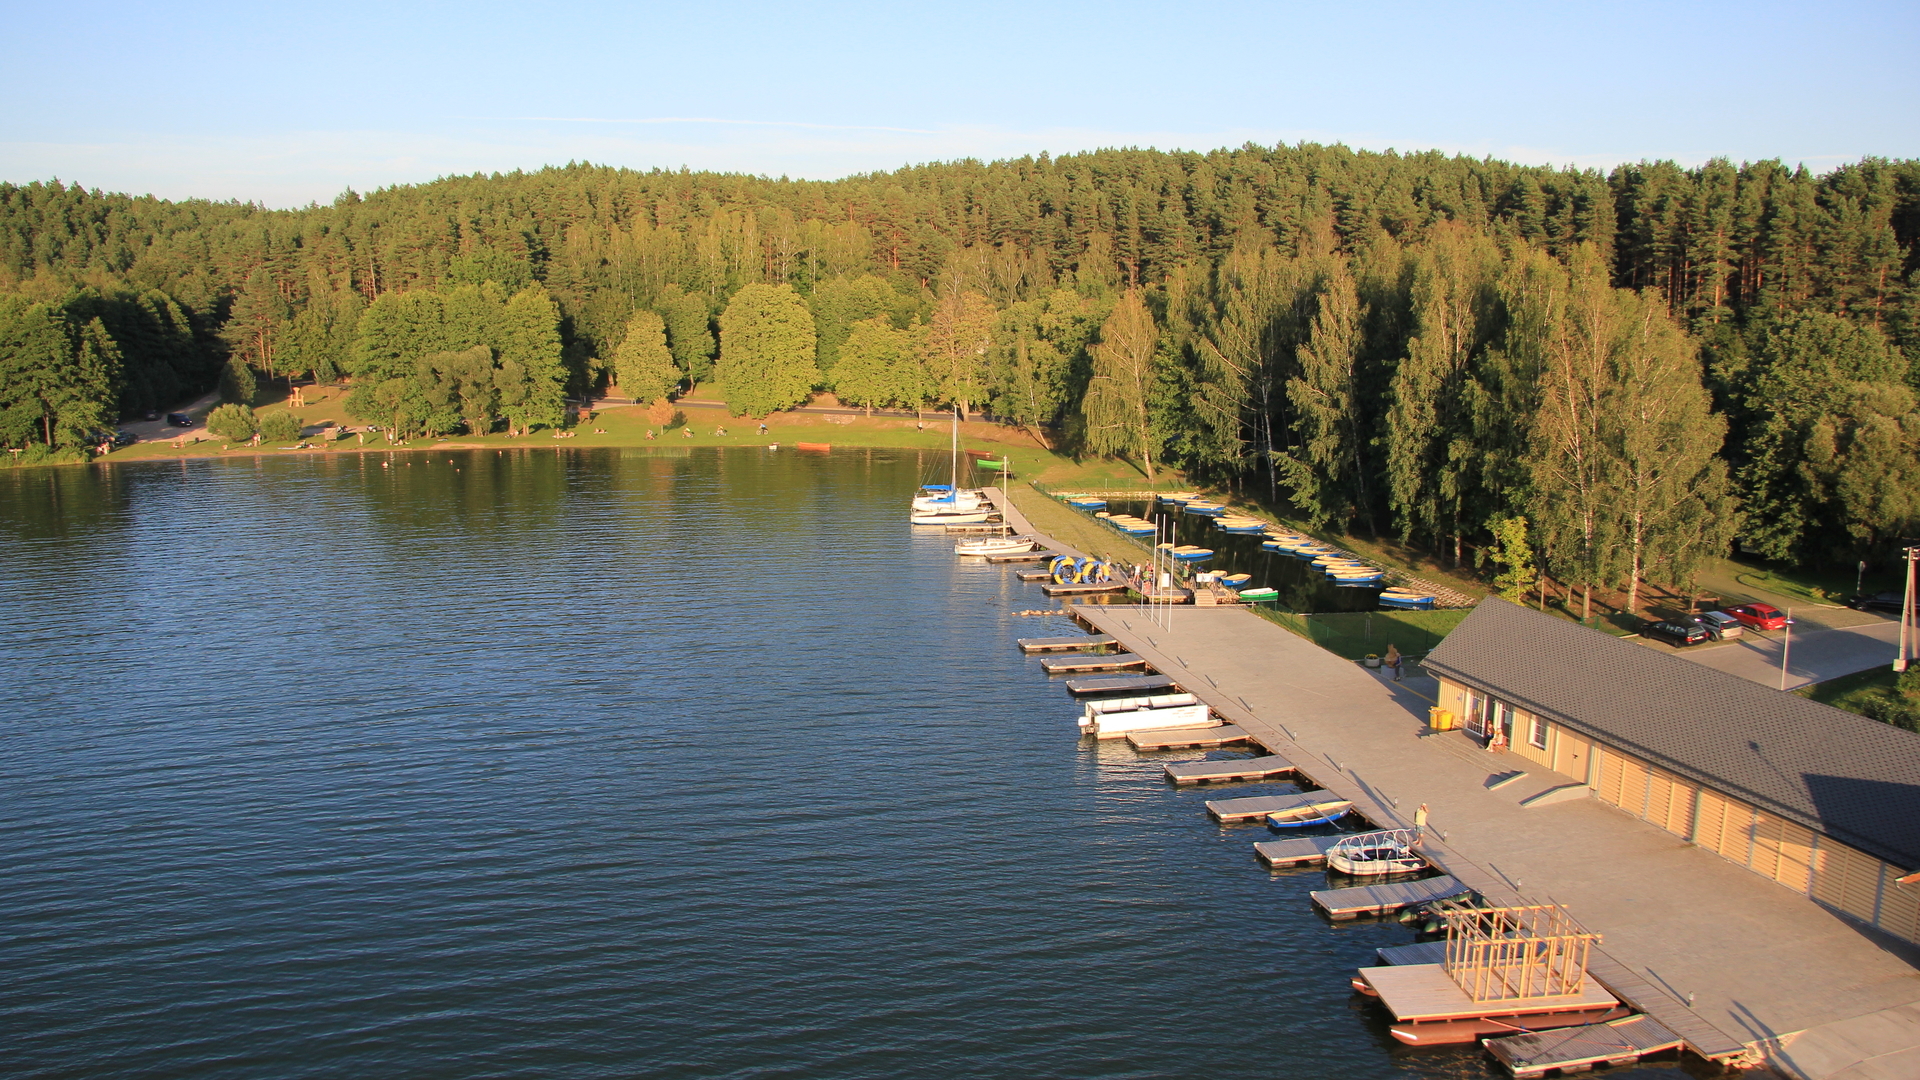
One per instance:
[(1759, 616)]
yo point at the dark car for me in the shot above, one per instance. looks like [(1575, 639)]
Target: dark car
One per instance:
[(179, 419), (125, 438), (1759, 616), (1676, 633), (1880, 601)]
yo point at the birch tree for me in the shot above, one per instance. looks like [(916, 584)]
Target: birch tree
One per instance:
[(1116, 409)]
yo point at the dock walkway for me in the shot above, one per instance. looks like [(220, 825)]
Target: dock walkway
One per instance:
[(1187, 738), (1228, 769), (1385, 899), (1760, 961)]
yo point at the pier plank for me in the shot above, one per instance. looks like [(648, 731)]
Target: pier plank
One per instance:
[(1114, 684), (1620, 1042), (1257, 807), (1187, 738), (1063, 665), (1076, 643), (1302, 851), (1386, 898), (1205, 772)]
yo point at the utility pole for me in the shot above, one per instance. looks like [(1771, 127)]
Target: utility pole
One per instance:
[(1786, 646), (1909, 630)]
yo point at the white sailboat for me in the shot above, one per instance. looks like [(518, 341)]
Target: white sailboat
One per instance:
[(939, 511)]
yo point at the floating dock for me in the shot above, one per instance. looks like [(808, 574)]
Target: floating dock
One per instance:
[(1020, 557), (1257, 807), (1084, 590), (1035, 575), (1577, 1049), (1077, 643), (1116, 684), (1228, 770), (1425, 952), (1304, 851), (1187, 738), (1385, 899), (1430, 1009), (1069, 665)]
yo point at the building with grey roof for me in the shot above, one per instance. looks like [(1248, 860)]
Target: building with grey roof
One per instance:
[(1818, 799)]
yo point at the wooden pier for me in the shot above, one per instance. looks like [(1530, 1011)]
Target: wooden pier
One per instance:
[(1034, 575), (1385, 899), (1228, 770), (1019, 557), (1069, 665), (1257, 807), (1085, 590), (1577, 1049), (1304, 851), (1423, 952), (1117, 684), (1430, 1009), (1077, 643), (1187, 738)]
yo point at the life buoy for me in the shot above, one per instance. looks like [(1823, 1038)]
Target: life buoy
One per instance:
[(1062, 569)]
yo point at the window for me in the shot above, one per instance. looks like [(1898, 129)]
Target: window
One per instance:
[(1537, 733)]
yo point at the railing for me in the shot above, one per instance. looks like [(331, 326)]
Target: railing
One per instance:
[(1509, 953)]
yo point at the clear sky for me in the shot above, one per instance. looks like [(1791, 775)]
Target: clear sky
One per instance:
[(292, 102)]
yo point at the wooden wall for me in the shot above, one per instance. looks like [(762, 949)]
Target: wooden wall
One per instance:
[(1842, 878)]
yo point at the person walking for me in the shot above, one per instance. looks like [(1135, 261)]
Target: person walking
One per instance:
[(1393, 661), (1420, 823)]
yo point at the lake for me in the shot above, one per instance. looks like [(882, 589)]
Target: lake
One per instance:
[(598, 764)]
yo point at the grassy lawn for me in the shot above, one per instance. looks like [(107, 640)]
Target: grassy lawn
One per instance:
[(1075, 529), (1354, 635), (1878, 693)]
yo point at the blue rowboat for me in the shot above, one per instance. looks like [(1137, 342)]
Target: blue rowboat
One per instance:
[(1234, 581), (1411, 603), (1205, 509), (1087, 504), (1244, 530)]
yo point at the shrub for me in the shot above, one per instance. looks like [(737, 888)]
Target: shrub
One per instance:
[(234, 423), (279, 427)]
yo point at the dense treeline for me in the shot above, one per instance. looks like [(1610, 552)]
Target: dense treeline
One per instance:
[(1643, 365)]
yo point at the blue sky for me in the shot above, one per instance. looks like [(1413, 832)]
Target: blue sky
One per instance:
[(290, 103)]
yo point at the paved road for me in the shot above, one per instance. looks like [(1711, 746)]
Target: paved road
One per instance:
[(1815, 655), (161, 431)]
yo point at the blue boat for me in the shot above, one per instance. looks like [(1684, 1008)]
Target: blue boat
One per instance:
[(1087, 504), (1406, 601), (1188, 552), (1319, 551), (1235, 582), (1245, 530), (1359, 583)]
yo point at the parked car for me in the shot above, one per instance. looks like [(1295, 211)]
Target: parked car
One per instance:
[(150, 414), (1880, 601), (179, 419), (125, 438), (1720, 626), (1678, 634), (1759, 616)]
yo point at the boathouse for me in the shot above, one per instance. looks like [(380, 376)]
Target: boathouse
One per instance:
[(1820, 800)]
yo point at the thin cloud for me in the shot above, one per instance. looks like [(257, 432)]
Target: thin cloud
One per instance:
[(702, 120)]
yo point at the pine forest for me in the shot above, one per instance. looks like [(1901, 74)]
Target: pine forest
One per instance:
[(1631, 372)]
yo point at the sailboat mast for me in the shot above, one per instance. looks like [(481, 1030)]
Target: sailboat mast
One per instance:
[(953, 464)]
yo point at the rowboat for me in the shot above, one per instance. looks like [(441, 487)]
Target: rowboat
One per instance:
[(1320, 811), (1242, 526), (1178, 497), (1389, 851), (1086, 502), (1260, 595), (1187, 552), (1205, 509), (1406, 598), (1235, 582)]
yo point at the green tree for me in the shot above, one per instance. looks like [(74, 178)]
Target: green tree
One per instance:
[(233, 422), (955, 348), (1328, 471), (689, 331), (766, 350), (840, 302), (57, 384), (642, 362), (1115, 410), (880, 366), (279, 426), (1513, 554)]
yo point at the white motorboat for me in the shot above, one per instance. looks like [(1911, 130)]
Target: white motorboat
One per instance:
[(994, 545), (951, 517), (1389, 851)]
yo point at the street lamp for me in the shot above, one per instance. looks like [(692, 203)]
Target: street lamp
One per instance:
[(1786, 645)]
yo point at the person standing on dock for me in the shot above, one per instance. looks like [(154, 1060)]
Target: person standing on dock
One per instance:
[(1420, 823)]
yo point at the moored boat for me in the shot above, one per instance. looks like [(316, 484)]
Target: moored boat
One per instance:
[(1389, 851), (1322, 810), (1187, 552), (1260, 595), (994, 545)]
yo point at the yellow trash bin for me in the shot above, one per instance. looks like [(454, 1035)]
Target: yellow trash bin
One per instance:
[(1440, 719)]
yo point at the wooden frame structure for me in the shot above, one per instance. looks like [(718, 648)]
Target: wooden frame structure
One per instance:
[(1516, 953)]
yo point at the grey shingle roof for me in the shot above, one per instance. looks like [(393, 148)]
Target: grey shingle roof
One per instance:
[(1855, 779)]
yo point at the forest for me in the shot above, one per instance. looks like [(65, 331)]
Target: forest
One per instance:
[(1630, 371)]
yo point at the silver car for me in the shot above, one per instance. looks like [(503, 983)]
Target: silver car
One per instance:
[(1720, 625)]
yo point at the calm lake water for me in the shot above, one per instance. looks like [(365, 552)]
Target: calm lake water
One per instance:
[(597, 764)]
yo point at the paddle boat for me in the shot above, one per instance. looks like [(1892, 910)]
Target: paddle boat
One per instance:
[(1067, 570), (1325, 809), (1187, 552), (994, 545), (1242, 526), (1389, 851)]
